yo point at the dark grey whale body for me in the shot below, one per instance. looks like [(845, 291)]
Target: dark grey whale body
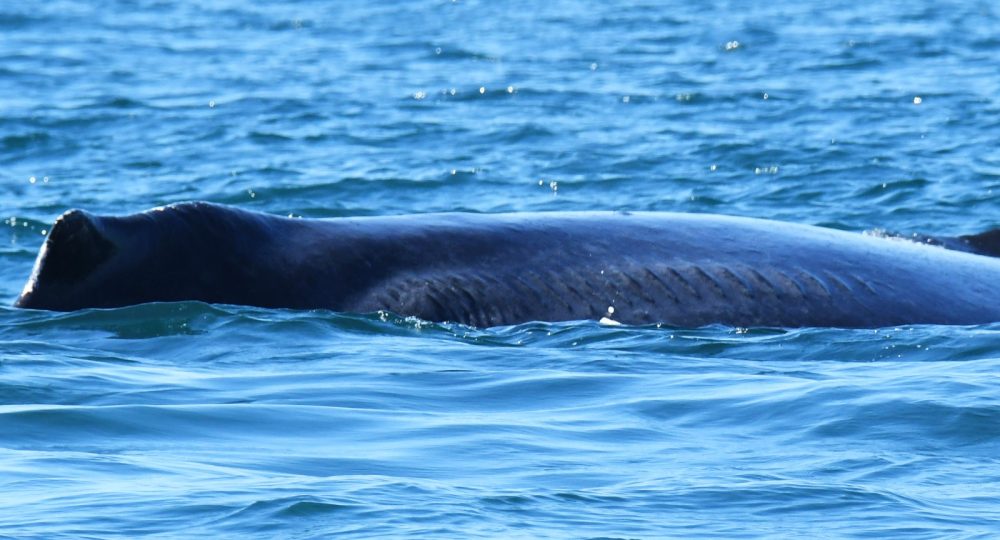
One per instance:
[(485, 270)]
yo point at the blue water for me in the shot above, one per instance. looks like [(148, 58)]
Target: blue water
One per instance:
[(180, 420)]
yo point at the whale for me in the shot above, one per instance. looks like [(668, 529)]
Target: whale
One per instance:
[(484, 270)]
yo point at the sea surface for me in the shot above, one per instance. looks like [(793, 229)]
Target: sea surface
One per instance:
[(187, 420)]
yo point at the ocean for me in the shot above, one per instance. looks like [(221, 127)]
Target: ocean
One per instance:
[(179, 420)]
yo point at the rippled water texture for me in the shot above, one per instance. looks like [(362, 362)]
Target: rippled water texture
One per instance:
[(178, 420)]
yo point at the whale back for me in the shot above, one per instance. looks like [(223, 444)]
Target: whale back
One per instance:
[(987, 243), (680, 269), (487, 270)]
